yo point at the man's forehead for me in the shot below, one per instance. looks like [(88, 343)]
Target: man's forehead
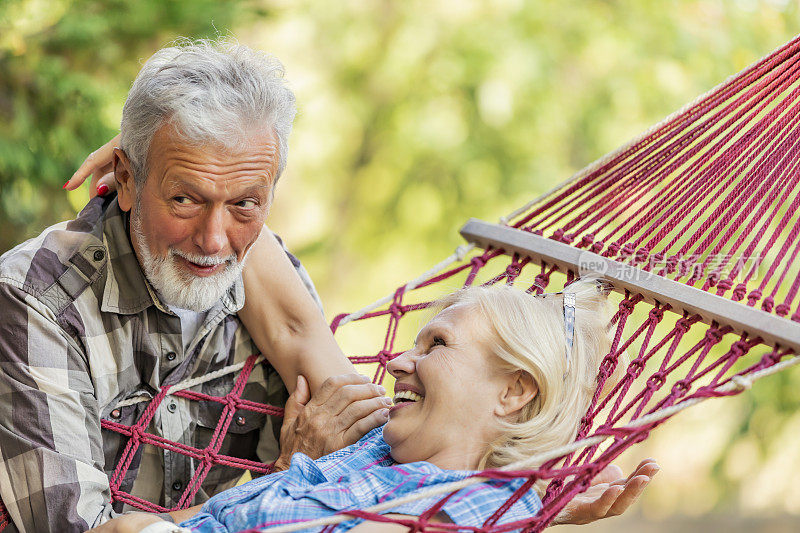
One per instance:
[(181, 163)]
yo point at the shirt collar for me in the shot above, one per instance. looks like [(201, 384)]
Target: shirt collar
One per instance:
[(127, 290)]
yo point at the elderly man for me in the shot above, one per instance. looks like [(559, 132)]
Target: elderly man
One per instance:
[(142, 290)]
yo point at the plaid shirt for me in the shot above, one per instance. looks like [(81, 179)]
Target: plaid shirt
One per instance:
[(80, 330), (355, 477)]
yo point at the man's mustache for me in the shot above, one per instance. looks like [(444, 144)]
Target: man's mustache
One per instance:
[(204, 260)]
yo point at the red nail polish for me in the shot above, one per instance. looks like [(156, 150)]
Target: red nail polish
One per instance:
[(102, 190), (65, 185)]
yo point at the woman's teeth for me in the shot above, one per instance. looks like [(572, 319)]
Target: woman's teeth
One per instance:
[(406, 396)]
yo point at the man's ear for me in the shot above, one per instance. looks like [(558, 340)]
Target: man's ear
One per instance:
[(520, 389), (123, 174)]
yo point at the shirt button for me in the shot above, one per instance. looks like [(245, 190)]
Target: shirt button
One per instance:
[(99, 255), (177, 486), (240, 420), (172, 408), (171, 356), (116, 413)]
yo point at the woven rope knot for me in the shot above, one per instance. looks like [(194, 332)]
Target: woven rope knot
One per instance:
[(713, 279), (477, 262), (782, 309), (754, 296), (136, 433), (682, 387), (635, 367), (796, 316), (739, 292), (396, 310), (713, 335), (725, 284), (642, 254), (656, 381), (672, 264), (742, 382), (683, 325), (612, 250), (209, 456), (607, 365), (628, 249), (626, 306), (597, 247), (231, 401), (542, 280), (383, 357), (768, 304), (513, 270), (558, 235), (587, 239), (656, 314), (739, 348)]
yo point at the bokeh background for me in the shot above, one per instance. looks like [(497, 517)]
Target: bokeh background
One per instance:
[(414, 116)]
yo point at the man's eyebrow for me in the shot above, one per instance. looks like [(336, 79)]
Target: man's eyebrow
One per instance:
[(179, 182)]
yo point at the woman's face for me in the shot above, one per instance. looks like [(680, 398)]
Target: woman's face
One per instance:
[(447, 393)]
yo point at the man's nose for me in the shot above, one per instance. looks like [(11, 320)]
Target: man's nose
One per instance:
[(403, 364), (210, 237)]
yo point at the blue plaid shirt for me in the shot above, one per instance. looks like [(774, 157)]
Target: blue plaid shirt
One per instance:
[(355, 477)]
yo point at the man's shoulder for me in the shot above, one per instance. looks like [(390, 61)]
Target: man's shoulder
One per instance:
[(69, 253)]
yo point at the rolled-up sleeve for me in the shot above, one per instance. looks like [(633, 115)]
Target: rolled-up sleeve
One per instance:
[(51, 477)]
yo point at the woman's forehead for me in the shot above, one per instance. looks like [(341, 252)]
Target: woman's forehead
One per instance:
[(458, 318)]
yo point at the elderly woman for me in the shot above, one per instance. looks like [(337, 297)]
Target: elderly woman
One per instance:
[(496, 376)]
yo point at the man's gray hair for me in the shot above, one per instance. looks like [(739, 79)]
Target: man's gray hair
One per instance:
[(215, 92)]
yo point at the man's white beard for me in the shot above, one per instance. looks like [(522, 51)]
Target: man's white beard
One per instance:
[(177, 287)]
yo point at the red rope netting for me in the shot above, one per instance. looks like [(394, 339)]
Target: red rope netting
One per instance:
[(707, 198)]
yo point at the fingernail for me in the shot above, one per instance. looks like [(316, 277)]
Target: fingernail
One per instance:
[(102, 190), (382, 389), (388, 401), (385, 413), (65, 185)]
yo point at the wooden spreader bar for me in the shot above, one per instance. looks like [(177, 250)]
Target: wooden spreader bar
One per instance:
[(774, 330)]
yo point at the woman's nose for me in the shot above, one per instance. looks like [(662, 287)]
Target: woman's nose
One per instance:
[(403, 364)]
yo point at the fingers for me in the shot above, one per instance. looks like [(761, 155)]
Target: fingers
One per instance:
[(360, 409), (296, 402), (302, 392), (337, 392), (104, 185), (94, 162), (365, 425), (627, 494), (609, 474)]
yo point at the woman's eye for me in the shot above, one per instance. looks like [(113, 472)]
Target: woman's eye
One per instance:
[(438, 341)]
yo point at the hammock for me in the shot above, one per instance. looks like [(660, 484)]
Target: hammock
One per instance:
[(696, 225)]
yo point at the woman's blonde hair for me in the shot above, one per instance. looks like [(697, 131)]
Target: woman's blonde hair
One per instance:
[(530, 336)]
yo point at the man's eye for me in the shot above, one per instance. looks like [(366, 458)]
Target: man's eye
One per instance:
[(246, 204), (438, 341), (183, 200)]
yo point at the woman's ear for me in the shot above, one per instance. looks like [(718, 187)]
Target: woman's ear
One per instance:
[(126, 187), (520, 389)]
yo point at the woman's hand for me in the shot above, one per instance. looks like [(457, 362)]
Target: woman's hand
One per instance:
[(127, 523), (100, 166), (610, 494)]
